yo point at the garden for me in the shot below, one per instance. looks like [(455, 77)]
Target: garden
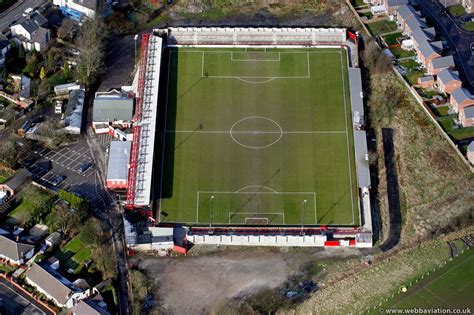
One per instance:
[(381, 27)]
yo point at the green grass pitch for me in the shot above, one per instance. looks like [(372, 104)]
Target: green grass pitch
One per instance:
[(448, 287), (258, 137)]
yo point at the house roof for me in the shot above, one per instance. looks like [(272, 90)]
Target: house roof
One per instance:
[(427, 78), (4, 42), (415, 23), (119, 158), (112, 108), (460, 95), (40, 35), (426, 49), (90, 4), (469, 112), (430, 31), (33, 22), (405, 11), (438, 45), (88, 308), (396, 3), (419, 36), (443, 62), (12, 249), (43, 277), (446, 76), (470, 147), (20, 177), (74, 109)]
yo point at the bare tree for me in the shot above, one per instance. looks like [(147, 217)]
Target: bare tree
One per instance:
[(67, 29), (374, 59), (8, 152), (91, 45)]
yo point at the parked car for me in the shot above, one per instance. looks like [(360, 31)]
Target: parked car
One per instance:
[(28, 11), (84, 167), (58, 180)]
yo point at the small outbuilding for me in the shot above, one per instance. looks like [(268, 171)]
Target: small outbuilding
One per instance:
[(117, 169)]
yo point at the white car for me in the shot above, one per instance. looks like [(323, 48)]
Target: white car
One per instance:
[(28, 12)]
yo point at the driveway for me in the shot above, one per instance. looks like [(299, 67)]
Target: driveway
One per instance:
[(460, 41), (13, 301)]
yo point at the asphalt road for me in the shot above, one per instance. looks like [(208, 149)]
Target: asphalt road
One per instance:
[(459, 40), (17, 13), (13, 301)]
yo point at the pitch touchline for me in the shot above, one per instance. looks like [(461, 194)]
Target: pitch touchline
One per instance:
[(251, 132)]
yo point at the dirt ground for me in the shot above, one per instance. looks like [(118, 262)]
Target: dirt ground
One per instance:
[(193, 285)]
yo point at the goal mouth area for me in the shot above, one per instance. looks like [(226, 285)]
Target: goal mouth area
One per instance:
[(256, 208)]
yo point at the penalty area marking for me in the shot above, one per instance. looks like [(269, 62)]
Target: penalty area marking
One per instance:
[(273, 192), (246, 79), (256, 186)]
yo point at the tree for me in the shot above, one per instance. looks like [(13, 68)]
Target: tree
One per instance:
[(66, 70), (8, 152), (42, 73), (67, 29), (32, 63), (49, 64), (21, 52), (90, 61)]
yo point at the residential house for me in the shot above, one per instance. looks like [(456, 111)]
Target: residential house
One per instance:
[(466, 116), (88, 307), (414, 23), (16, 182), (392, 5), (426, 82), (15, 252), (404, 13), (31, 32), (468, 5), (448, 81), (114, 107), (426, 54), (419, 36), (439, 64), (117, 169), (77, 9), (461, 98), (56, 288), (74, 110), (470, 153), (4, 47)]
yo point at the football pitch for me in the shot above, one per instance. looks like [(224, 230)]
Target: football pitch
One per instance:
[(258, 137)]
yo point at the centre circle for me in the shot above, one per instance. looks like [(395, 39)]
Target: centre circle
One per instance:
[(256, 132)]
